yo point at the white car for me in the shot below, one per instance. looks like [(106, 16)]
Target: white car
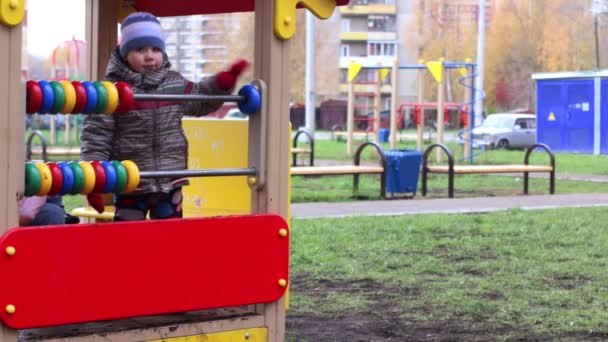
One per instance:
[(506, 130)]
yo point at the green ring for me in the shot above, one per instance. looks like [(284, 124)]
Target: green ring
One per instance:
[(121, 176), (102, 97), (59, 97), (32, 180), (78, 177)]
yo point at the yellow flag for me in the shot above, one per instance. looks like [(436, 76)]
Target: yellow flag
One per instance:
[(353, 70), (384, 73), (436, 69)]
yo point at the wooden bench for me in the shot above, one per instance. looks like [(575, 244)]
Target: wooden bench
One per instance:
[(295, 150), (356, 169), (452, 169)]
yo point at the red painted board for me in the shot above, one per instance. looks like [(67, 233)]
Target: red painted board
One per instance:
[(190, 7), (90, 272)]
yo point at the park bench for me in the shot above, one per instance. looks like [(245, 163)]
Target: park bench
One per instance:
[(356, 169), (295, 150), (44, 151), (452, 169)]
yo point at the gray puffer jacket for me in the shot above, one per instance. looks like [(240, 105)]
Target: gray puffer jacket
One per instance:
[(151, 134)]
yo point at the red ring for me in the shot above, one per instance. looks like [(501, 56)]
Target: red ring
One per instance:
[(81, 97), (56, 178), (125, 97), (100, 177), (34, 97)]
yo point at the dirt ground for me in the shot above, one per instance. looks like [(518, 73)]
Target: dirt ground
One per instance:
[(383, 321)]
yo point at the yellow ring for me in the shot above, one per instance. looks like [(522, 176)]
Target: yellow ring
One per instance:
[(70, 97), (112, 97), (132, 175), (46, 179), (89, 177)]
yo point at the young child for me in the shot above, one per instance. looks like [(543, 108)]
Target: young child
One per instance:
[(151, 134)]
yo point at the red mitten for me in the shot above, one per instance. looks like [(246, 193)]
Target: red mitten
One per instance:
[(226, 80), (96, 201)]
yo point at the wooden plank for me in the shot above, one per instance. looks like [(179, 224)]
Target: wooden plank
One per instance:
[(12, 103), (490, 168), (272, 65), (334, 170), (58, 151), (299, 150)]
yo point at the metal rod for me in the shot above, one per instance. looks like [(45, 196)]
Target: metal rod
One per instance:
[(198, 173), (188, 97)]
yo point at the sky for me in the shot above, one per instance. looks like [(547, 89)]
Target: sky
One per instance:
[(50, 23)]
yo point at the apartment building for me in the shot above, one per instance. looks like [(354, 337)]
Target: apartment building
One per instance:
[(373, 33), (196, 44)]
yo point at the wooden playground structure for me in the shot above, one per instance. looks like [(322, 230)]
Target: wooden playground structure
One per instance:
[(211, 279)]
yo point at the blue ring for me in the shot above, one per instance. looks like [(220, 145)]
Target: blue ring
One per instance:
[(251, 103), (110, 171), (91, 104), (48, 97), (68, 178)]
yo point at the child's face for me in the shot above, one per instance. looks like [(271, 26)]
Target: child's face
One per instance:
[(145, 59)]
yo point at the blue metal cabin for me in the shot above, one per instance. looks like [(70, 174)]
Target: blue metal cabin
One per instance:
[(571, 116)]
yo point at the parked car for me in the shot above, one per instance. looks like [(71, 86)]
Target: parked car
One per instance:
[(506, 130)]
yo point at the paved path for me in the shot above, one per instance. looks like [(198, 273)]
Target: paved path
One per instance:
[(445, 205)]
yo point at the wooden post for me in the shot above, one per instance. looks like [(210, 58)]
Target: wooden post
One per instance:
[(12, 126), (440, 114), (377, 104), (467, 133), (393, 110), (420, 127), (350, 117), (272, 64), (102, 35)]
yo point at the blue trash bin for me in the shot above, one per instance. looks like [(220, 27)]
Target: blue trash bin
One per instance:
[(402, 170), (383, 134)]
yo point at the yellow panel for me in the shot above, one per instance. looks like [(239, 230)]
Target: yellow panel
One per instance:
[(285, 14), (384, 73), (245, 335), (216, 143)]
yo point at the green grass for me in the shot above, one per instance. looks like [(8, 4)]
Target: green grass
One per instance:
[(539, 270)]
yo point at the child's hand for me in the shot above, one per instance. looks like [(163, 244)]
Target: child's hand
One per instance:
[(226, 80), (96, 201)]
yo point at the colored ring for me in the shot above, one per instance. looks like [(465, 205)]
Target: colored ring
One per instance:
[(121, 176), (33, 97), (59, 97), (48, 97), (91, 103), (125, 95), (110, 171), (89, 177), (102, 97), (68, 178), (32, 179), (57, 178), (112, 97), (132, 175), (81, 97), (78, 177), (70, 97), (100, 177), (46, 179), (251, 103)]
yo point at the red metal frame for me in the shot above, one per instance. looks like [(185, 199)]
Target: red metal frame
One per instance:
[(418, 106), (190, 7), (90, 272)]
